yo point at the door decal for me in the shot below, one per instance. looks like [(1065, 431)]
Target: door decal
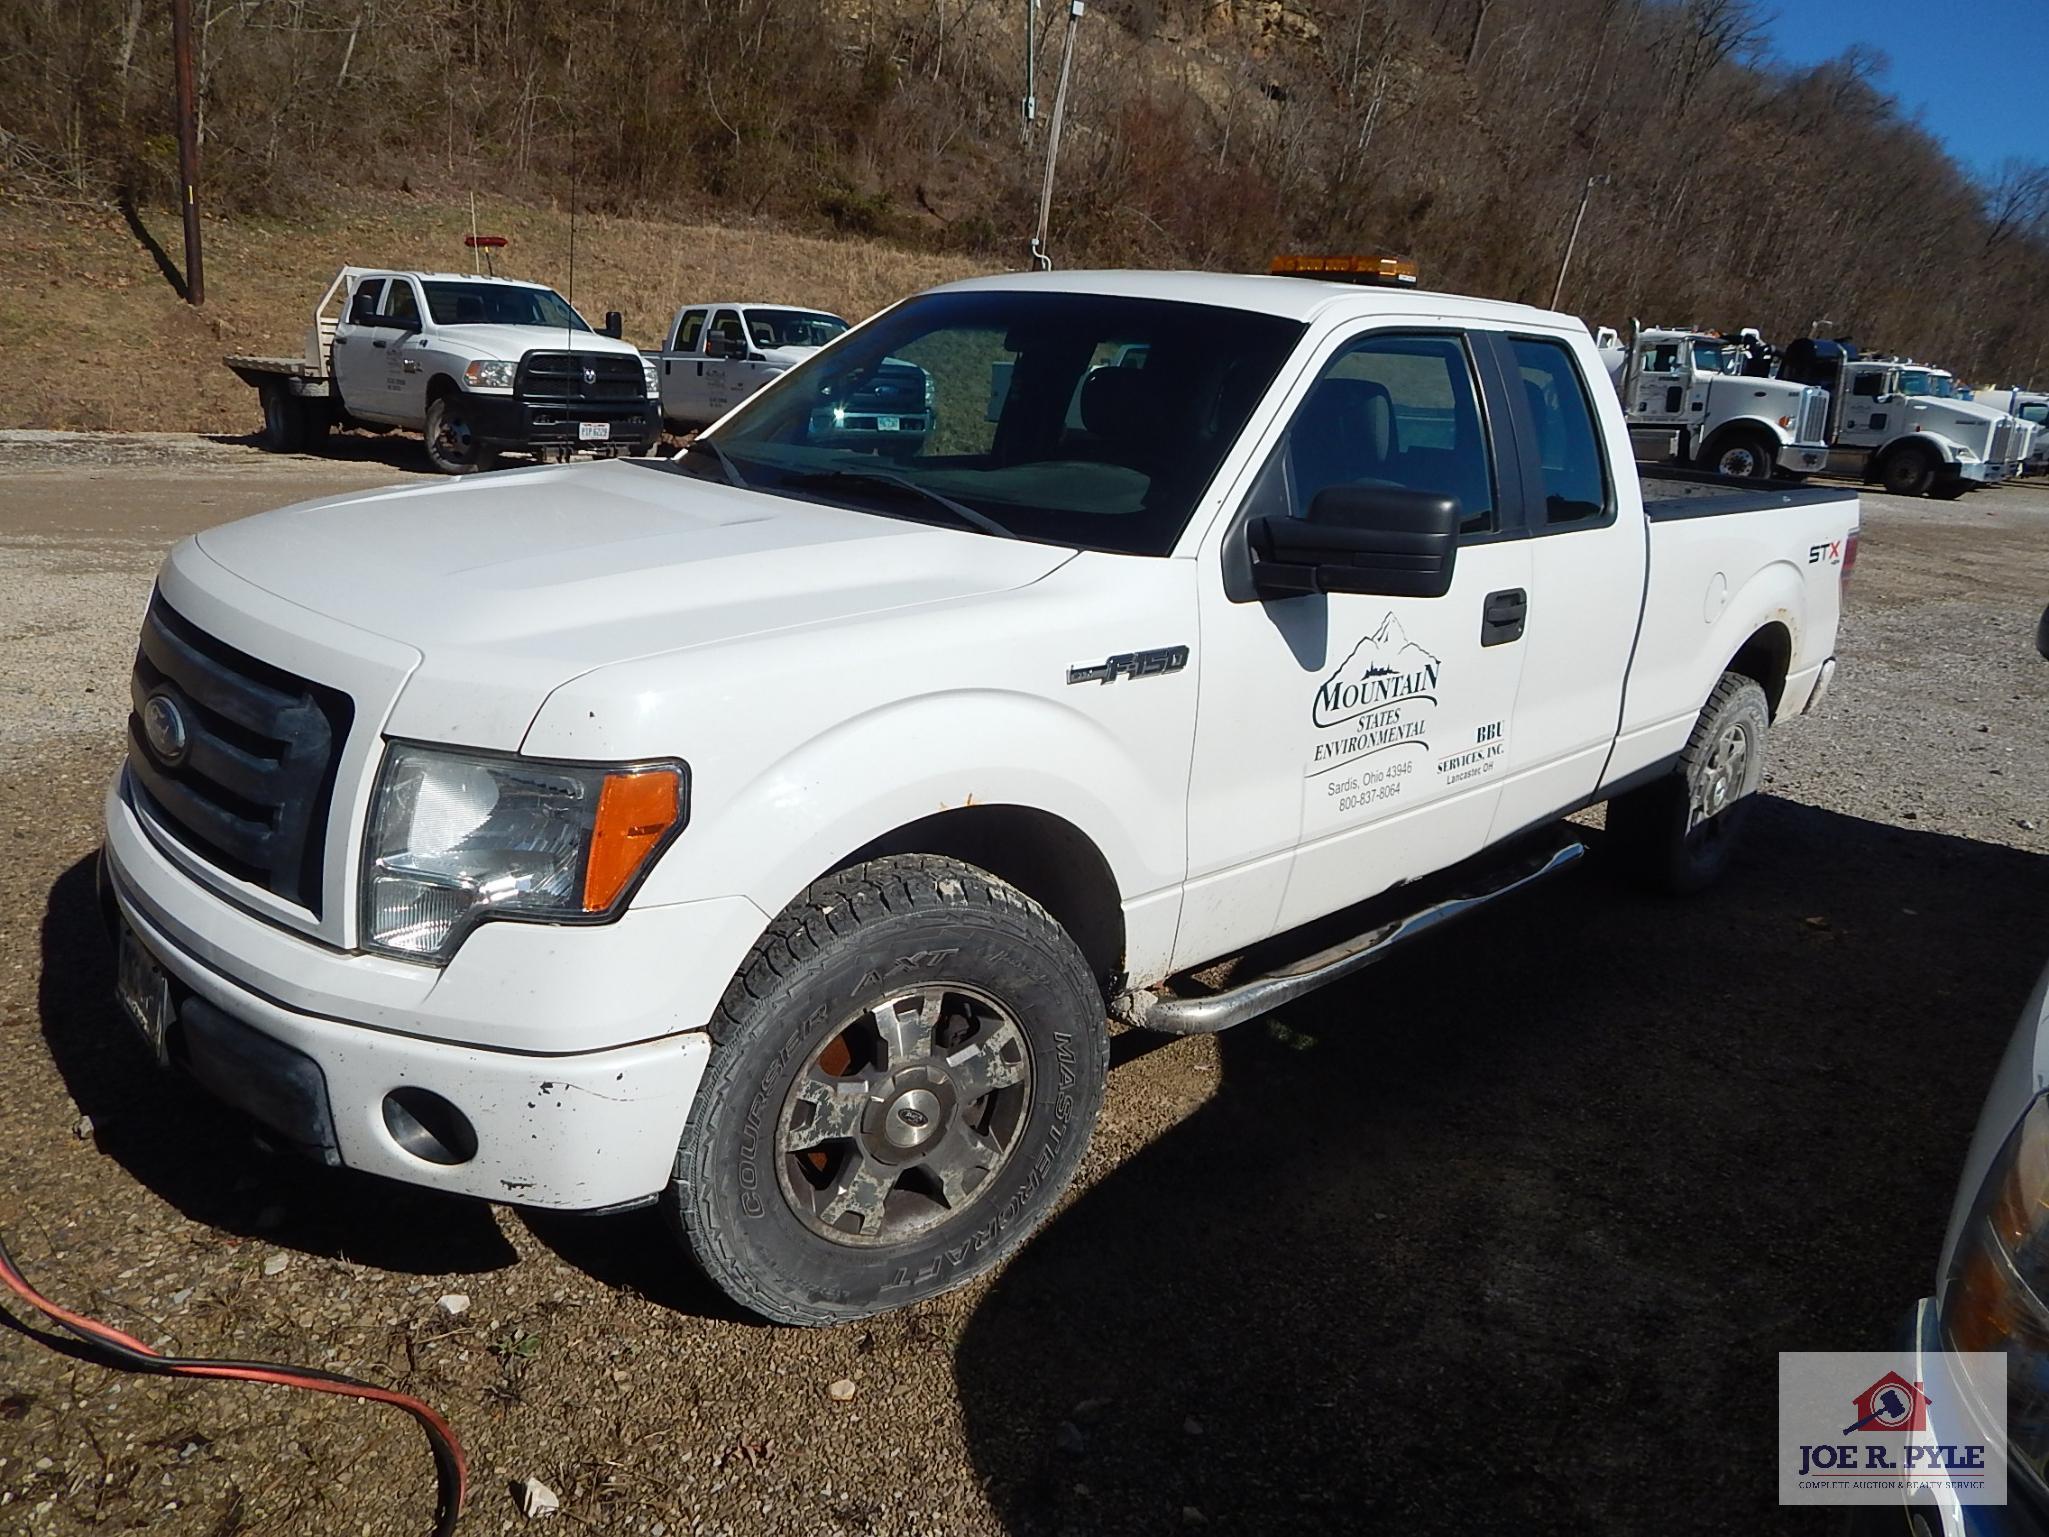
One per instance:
[(1379, 698)]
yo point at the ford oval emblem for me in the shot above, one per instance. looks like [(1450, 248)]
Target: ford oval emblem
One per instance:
[(163, 726), (590, 375)]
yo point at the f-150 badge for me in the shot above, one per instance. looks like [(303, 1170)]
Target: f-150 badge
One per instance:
[(1130, 664)]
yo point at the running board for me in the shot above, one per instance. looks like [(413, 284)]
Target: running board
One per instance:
[(1211, 1012)]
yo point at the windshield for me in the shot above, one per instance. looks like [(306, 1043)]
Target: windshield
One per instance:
[(499, 304), (1077, 419), (793, 328), (1914, 381)]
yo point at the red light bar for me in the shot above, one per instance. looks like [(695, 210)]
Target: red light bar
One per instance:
[(484, 242)]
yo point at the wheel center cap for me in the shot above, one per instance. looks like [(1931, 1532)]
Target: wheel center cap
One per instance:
[(912, 1119)]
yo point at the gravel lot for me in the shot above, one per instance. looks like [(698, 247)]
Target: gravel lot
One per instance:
[(1504, 1237)]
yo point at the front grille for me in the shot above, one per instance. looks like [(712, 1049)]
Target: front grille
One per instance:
[(1813, 416), (250, 791), (2003, 439), (897, 389), (569, 377)]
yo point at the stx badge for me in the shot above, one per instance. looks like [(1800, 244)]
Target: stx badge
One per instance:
[(1131, 664)]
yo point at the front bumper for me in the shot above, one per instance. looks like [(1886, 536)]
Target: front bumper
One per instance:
[(270, 1018), (1803, 458), (1926, 1514), (505, 421), (1981, 472)]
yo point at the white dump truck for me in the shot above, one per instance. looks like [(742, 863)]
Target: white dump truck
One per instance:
[(476, 365), (1688, 401), (771, 831)]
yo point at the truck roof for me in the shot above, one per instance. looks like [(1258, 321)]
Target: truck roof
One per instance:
[(1292, 297), (452, 277), (753, 304)]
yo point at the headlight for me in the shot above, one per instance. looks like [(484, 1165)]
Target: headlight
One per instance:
[(456, 838), (1992, 1298), (931, 392), (490, 374), (654, 380)]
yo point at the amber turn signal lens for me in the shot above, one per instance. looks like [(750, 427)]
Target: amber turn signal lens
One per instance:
[(635, 812)]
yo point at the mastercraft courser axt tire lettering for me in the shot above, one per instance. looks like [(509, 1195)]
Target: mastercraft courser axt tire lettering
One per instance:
[(905, 1075)]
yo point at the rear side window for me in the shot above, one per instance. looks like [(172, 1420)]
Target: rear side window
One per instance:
[(1575, 485), (1395, 410), (688, 333)]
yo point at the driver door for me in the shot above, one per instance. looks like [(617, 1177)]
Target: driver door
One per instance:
[(726, 349), (1347, 742)]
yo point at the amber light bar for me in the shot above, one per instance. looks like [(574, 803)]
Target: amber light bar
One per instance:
[(1383, 271)]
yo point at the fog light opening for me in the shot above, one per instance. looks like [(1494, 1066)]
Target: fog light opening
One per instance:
[(429, 1127)]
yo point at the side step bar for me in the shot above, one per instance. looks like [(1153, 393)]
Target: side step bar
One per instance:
[(1212, 1012)]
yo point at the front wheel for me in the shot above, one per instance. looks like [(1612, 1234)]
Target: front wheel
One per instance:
[(1744, 456), (1677, 834), (906, 1072), (452, 445), (1908, 471)]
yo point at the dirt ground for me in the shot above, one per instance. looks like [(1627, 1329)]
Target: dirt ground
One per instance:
[(1503, 1237)]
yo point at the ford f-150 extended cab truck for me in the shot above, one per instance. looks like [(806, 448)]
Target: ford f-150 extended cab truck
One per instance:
[(771, 831), (475, 365)]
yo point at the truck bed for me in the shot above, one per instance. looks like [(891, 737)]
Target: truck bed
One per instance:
[(1670, 494), (247, 364)]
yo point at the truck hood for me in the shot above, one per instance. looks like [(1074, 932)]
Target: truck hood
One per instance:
[(510, 584), (787, 357), (513, 342)]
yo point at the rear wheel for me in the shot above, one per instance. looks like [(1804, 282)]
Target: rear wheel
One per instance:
[(907, 1070), (1908, 470), (1677, 834), (1743, 456), (284, 419), (452, 446)]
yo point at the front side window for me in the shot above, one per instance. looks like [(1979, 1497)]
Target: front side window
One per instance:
[(1395, 410), (1568, 447), (453, 302), (1090, 420), (2035, 411), (725, 325), (1662, 359), (1870, 385)]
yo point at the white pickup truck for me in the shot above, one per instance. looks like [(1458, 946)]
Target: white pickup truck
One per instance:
[(476, 365), (716, 355), (771, 831)]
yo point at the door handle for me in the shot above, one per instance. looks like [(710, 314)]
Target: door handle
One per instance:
[(1502, 616), (379, 345)]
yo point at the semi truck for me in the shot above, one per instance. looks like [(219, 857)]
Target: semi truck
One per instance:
[(1689, 401)]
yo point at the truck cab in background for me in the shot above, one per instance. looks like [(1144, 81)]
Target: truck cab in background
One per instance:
[(1888, 423), (2032, 408), (1687, 399)]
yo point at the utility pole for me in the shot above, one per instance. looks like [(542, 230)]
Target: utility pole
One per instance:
[(1031, 90), (1040, 259), (188, 150), (1558, 289)]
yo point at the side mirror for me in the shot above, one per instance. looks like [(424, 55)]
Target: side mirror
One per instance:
[(615, 324), (720, 345), (1383, 540), (2042, 635), (363, 312)]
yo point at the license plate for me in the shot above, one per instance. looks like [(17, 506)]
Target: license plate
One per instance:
[(145, 992), (594, 432), (888, 423)]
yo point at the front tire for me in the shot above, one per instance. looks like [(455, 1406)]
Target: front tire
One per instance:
[(1908, 471), (907, 1071), (1744, 456), (452, 447), (1677, 835)]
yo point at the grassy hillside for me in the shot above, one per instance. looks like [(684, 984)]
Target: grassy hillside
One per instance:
[(93, 335)]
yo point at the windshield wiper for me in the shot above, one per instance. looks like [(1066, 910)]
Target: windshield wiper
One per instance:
[(726, 466), (895, 482)]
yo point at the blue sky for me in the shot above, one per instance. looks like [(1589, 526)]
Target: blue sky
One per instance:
[(1971, 69)]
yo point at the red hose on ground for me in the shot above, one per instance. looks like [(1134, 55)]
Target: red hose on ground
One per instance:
[(124, 1352)]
